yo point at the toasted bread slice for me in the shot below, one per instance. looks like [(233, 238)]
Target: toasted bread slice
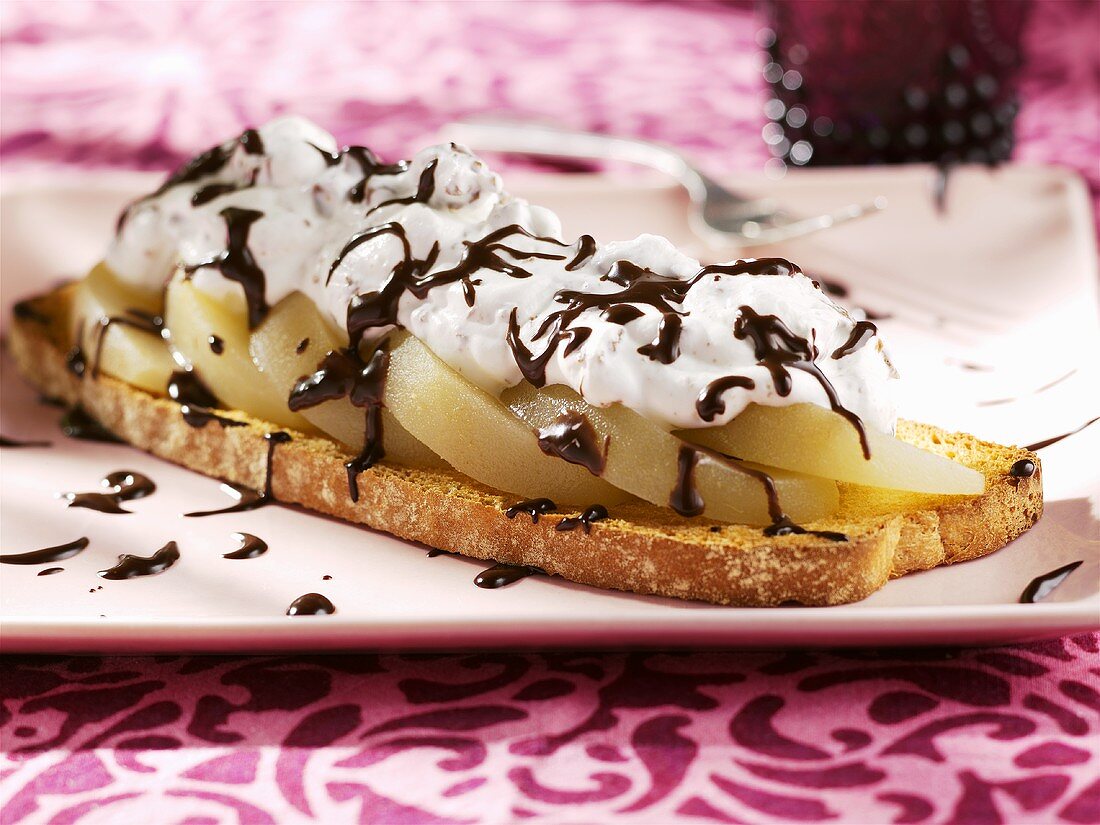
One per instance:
[(639, 548)]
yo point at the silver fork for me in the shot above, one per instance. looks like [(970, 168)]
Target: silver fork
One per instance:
[(718, 215)]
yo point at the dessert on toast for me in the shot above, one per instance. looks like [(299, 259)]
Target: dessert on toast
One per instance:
[(409, 347)]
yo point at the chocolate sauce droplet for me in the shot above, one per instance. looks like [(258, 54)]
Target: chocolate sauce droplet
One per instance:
[(49, 571), (1042, 586), (1024, 468), (502, 575), (132, 567), (435, 551), (302, 346), (46, 555), (251, 547), (311, 604), (597, 512), (573, 438), (534, 507), (217, 345)]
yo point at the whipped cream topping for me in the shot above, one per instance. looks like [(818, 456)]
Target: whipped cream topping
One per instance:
[(436, 245)]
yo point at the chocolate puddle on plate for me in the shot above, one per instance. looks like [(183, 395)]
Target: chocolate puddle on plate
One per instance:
[(133, 567), (47, 555), (247, 498), (251, 547), (1042, 586), (122, 485), (502, 575)]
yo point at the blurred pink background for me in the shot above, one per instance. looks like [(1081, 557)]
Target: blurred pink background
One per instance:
[(148, 84)]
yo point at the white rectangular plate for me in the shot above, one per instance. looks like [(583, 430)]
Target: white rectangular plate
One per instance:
[(994, 300)]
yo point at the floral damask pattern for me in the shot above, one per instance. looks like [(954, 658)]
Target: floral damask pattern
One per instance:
[(981, 736), (909, 737)]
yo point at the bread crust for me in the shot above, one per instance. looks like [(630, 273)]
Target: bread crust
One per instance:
[(641, 548)]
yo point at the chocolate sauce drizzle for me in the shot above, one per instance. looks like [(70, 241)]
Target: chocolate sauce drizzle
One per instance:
[(208, 163), (49, 571), (138, 319), (1042, 586), (311, 604), (502, 575), (122, 485), (26, 310), (684, 498), (247, 498), (785, 527), (597, 512), (534, 507), (861, 333), (16, 443), (424, 190), (573, 438), (77, 423), (133, 567), (586, 248), (640, 287), (380, 308), (196, 401), (1038, 445), (251, 547), (779, 350), (368, 163), (710, 405), (236, 262), (340, 374), (47, 555)]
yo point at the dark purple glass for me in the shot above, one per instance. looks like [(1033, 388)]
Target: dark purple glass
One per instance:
[(891, 81)]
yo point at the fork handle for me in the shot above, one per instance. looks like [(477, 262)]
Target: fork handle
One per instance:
[(509, 137)]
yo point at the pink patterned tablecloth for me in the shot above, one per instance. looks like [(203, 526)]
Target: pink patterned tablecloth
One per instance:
[(884, 736)]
